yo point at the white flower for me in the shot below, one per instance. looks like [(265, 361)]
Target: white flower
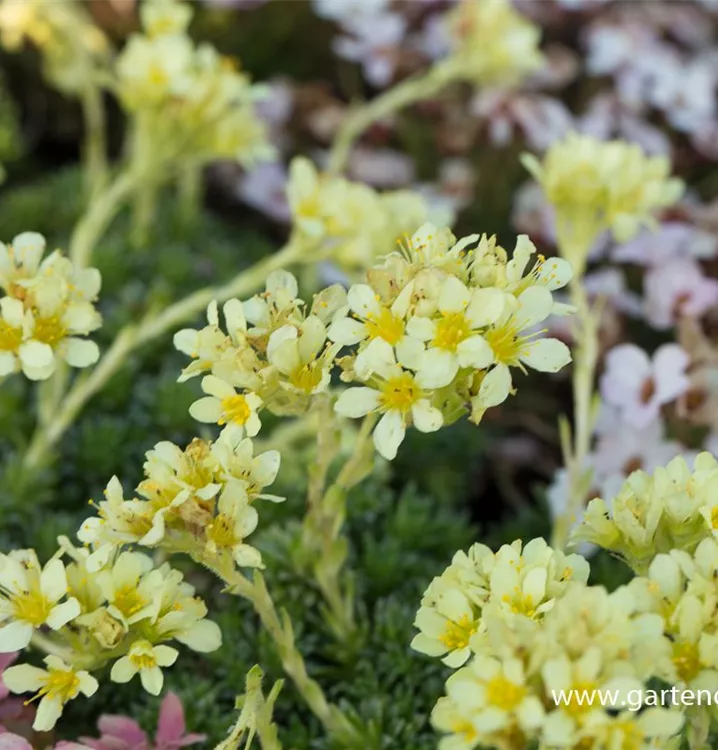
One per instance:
[(398, 397), (454, 339), (300, 355), (163, 17), (120, 522), (205, 346), (236, 519), (224, 406), (21, 259), (29, 598), (514, 345), (238, 463), (126, 588), (16, 352), (56, 685), (145, 659)]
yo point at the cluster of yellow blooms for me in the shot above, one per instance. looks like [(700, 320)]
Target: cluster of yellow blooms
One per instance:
[(596, 185), (45, 309), (189, 98), (197, 501), (73, 47), (492, 44), (531, 629), (435, 332), (122, 612), (672, 508), (348, 221)]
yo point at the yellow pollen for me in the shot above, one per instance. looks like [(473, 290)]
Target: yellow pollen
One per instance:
[(451, 330), (156, 75), (506, 344), (385, 326), (128, 600), (235, 409), (458, 633), (714, 517), (50, 330), (582, 697), (143, 661), (32, 607), (221, 532), (308, 377), (60, 683), (686, 660), (503, 693), (400, 393), (10, 338)]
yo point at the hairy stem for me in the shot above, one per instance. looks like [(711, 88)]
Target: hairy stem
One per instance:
[(95, 149), (362, 117), (133, 336), (279, 627), (577, 449)]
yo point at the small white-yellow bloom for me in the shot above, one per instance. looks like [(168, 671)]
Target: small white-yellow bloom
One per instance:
[(146, 660)]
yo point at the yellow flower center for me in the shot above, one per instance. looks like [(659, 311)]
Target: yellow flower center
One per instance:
[(457, 633), (50, 331), (143, 659), (451, 330), (221, 532), (582, 697), (385, 326), (521, 604), (235, 409), (714, 517), (10, 338), (400, 393), (308, 377), (503, 693), (128, 600), (60, 683), (506, 344), (465, 728), (156, 75), (686, 660), (32, 607)]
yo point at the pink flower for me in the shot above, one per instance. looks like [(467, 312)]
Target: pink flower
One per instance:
[(678, 289), (672, 240), (9, 741), (122, 733), (5, 661), (264, 189), (638, 385)]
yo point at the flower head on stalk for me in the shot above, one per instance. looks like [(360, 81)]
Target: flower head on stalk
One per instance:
[(437, 328), (46, 308)]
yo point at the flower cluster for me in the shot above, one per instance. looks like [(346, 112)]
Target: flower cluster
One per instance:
[(122, 612), (349, 221), (73, 47), (492, 43), (198, 501), (45, 309), (595, 186), (523, 628), (187, 98), (439, 326), (673, 508), (275, 352), (682, 589)]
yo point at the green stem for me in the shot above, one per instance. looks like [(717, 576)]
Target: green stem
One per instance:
[(190, 194), (279, 627), (577, 449), (95, 151), (99, 215), (362, 117), (133, 336), (322, 529)]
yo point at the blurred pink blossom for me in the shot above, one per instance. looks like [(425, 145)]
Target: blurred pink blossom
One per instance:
[(10, 741), (678, 288), (123, 733), (541, 119), (638, 385), (383, 168), (671, 241), (264, 189), (344, 10), (374, 41)]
